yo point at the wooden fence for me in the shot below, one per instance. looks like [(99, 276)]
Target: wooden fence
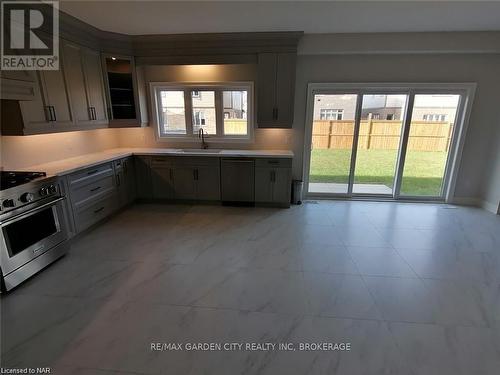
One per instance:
[(235, 126), (381, 135)]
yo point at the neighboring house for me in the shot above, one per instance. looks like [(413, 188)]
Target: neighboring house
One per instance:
[(440, 108), (235, 104)]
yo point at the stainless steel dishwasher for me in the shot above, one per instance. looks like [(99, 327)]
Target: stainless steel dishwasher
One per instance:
[(238, 180)]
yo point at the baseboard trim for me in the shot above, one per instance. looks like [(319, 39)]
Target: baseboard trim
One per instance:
[(491, 207), (476, 202), (466, 201)]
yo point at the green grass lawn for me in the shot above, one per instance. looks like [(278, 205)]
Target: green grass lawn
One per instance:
[(422, 174)]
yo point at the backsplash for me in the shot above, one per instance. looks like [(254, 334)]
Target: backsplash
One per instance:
[(276, 139), (24, 151)]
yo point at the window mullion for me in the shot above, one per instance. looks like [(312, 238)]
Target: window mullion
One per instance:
[(188, 105), (219, 115)]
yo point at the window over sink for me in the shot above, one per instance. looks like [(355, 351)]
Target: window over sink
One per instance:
[(223, 110)]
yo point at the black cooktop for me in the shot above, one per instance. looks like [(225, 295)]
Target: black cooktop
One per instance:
[(9, 179)]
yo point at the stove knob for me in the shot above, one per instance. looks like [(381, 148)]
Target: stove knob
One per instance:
[(9, 203), (27, 197), (44, 191), (52, 189)]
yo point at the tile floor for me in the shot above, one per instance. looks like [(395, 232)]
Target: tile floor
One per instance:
[(414, 288)]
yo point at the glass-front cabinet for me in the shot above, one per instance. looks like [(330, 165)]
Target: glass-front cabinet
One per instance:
[(125, 87)]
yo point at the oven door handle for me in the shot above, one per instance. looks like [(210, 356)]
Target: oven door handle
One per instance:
[(29, 212)]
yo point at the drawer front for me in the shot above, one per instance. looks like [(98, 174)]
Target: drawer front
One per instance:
[(93, 191), (197, 160), (162, 161), (97, 211), (273, 162), (90, 175)]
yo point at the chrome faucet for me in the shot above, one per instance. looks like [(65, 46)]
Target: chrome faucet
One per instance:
[(201, 134)]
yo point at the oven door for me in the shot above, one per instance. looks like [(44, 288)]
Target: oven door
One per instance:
[(30, 234)]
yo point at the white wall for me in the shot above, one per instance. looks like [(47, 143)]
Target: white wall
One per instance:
[(481, 68), (491, 187)]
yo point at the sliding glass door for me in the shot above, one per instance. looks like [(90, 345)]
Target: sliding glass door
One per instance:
[(431, 132), (332, 143), (391, 142), (378, 143)]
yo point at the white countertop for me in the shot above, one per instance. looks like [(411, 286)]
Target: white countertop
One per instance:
[(70, 165)]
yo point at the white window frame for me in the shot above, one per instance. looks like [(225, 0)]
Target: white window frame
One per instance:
[(187, 88), (466, 90)]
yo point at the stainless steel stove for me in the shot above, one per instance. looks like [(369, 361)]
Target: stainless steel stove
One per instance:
[(33, 225)]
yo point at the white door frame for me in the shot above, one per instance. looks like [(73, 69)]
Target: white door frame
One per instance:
[(467, 92)]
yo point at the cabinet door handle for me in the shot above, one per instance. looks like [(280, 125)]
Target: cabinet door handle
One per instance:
[(53, 111), (118, 182), (195, 174), (273, 176), (48, 113), (99, 210), (92, 172), (94, 113), (95, 189), (275, 113)]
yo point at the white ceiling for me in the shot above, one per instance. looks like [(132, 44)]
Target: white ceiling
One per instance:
[(162, 17)]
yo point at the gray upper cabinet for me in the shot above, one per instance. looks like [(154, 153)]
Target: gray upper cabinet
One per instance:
[(276, 90), (86, 86), (55, 94), (76, 83), (71, 98), (48, 112), (95, 85)]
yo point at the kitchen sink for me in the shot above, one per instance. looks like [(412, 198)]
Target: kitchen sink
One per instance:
[(200, 151)]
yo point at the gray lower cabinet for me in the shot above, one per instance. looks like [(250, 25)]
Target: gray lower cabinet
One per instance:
[(273, 180), (125, 181), (162, 182), (96, 192), (143, 177), (95, 212), (93, 195), (208, 182), (185, 178), (237, 180)]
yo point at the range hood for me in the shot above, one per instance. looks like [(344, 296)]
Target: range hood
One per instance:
[(17, 85)]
